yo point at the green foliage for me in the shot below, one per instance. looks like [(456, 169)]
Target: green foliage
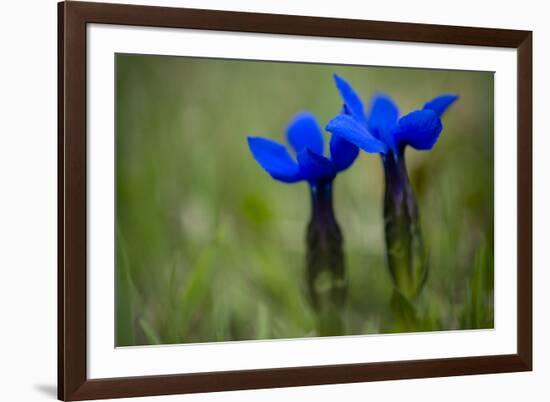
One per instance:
[(209, 248), (405, 317), (126, 298), (480, 292)]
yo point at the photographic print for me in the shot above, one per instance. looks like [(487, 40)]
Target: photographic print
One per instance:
[(275, 200), (286, 200)]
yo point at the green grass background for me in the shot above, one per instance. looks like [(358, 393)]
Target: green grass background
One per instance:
[(210, 248)]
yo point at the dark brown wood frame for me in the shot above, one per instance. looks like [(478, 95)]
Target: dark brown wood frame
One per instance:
[(73, 383)]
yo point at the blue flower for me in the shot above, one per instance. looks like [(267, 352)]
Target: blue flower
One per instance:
[(306, 139), (324, 259), (381, 130)]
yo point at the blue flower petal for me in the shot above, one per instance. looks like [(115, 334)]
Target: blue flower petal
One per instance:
[(275, 159), (440, 104), (419, 129), (345, 110), (348, 128), (315, 167), (382, 118), (342, 152), (304, 132), (351, 100)]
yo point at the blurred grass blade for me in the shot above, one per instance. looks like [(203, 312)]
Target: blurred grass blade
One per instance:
[(149, 332), (262, 322), (476, 312), (197, 287), (126, 296)]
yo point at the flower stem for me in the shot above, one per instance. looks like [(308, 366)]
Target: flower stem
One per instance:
[(404, 314), (326, 276)]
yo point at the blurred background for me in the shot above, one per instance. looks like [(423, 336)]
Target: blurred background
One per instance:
[(210, 248)]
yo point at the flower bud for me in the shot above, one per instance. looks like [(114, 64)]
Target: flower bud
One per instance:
[(406, 255), (326, 276)]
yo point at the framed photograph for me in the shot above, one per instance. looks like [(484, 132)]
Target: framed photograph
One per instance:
[(253, 201)]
